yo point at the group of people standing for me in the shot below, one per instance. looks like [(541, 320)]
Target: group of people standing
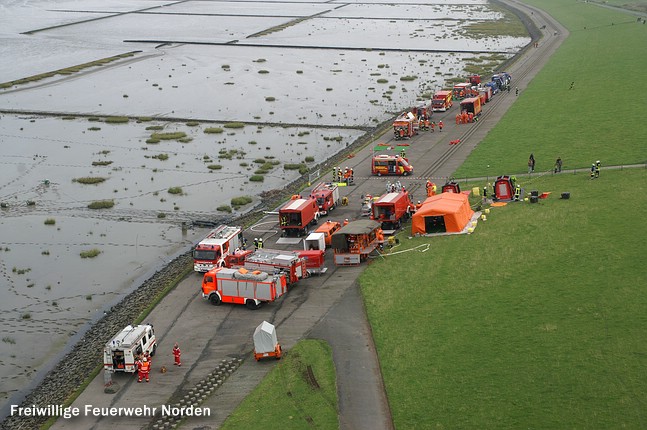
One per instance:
[(531, 164), (144, 363)]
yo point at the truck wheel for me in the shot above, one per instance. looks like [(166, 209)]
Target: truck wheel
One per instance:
[(379, 174), (405, 173), (154, 349), (251, 305), (214, 299)]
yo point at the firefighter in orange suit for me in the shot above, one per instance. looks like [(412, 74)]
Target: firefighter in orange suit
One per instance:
[(177, 353), (143, 370)]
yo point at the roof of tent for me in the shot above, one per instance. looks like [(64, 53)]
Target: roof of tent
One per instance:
[(454, 208)]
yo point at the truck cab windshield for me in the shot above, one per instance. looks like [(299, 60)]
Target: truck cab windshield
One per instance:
[(206, 254)]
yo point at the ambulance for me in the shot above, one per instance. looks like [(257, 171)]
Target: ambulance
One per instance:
[(121, 352)]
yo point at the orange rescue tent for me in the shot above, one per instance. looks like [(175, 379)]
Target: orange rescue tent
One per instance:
[(446, 212)]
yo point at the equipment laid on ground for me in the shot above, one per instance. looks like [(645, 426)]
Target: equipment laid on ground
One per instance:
[(391, 209), (405, 126), (266, 343), (442, 100), (224, 285), (355, 241), (328, 228), (327, 196), (296, 215), (271, 261), (384, 164), (121, 352), (462, 90), (211, 251)]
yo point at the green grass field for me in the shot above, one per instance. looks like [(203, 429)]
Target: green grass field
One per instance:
[(287, 397), (602, 118), (535, 320)]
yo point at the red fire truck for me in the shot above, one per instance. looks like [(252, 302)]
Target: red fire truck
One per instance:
[(271, 261), (224, 285), (327, 196), (211, 251), (297, 214), (442, 101), (391, 209), (405, 126)]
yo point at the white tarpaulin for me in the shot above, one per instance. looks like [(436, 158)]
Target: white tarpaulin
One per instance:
[(265, 338)]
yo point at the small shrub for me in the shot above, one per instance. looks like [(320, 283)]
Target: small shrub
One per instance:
[(169, 136), (152, 141), (9, 340), (50, 221), (117, 119), (94, 128), (241, 201), (234, 125), (89, 180), (162, 157), (309, 159), (213, 130), (88, 297), (192, 123), (224, 208), (26, 316), (263, 72), (101, 163), (408, 78), (46, 252), (155, 127), (260, 161), (175, 190), (257, 178), (214, 167), (161, 215), (101, 204), (91, 253), (270, 99), (382, 81), (31, 203)]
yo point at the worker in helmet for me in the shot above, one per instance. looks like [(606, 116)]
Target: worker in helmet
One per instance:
[(593, 171), (176, 354), (255, 243), (598, 164), (143, 370), (345, 222)]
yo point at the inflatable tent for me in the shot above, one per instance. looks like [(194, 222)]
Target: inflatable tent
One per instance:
[(446, 212), (504, 187)]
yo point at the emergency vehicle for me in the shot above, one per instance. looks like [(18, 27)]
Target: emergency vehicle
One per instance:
[(120, 353), (392, 208), (355, 241), (272, 261), (211, 251), (442, 101), (472, 105), (384, 164), (405, 126), (315, 260), (240, 286), (328, 228), (297, 214), (327, 196), (462, 90)]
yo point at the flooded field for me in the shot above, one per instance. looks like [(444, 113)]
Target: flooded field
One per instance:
[(255, 91)]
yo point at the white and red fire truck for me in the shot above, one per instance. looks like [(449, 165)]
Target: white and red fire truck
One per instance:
[(327, 196), (271, 261), (211, 251), (240, 286), (120, 353)]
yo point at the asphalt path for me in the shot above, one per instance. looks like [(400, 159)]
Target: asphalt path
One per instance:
[(327, 306)]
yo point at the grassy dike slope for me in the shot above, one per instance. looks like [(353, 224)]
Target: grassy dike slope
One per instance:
[(602, 118), (537, 319)]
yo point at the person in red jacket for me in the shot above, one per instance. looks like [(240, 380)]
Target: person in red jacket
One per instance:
[(440, 126), (143, 370), (177, 353)]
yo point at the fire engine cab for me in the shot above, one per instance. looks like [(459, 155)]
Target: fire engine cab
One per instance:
[(211, 251), (120, 353)]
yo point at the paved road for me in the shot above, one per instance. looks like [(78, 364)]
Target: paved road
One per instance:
[(327, 307)]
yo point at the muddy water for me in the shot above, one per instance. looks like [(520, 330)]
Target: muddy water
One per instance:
[(48, 291)]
